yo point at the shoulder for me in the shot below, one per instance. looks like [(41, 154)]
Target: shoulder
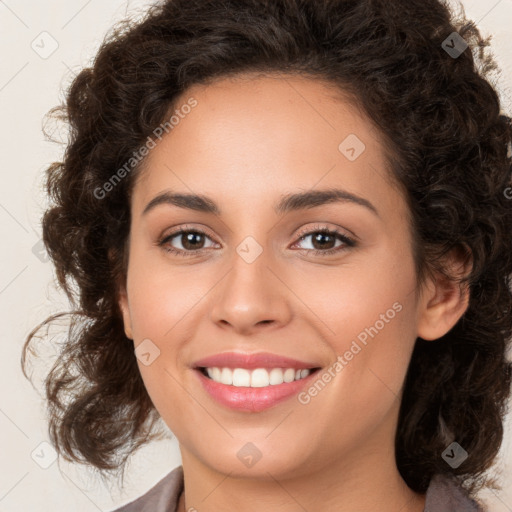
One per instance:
[(162, 497), (445, 494)]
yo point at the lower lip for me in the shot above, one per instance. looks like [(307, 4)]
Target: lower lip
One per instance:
[(252, 399)]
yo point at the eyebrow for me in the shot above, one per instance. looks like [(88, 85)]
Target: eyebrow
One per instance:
[(287, 203)]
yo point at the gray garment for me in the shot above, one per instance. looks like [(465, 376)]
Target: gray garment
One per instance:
[(162, 497), (443, 495)]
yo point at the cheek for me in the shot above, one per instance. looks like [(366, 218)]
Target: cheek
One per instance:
[(160, 296), (160, 302), (373, 341), (368, 292), (371, 314)]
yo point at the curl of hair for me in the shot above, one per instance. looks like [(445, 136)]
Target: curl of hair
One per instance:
[(446, 142)]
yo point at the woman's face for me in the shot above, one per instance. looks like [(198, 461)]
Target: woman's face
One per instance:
[(251, 284)]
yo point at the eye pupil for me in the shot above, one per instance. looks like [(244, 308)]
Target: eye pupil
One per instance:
[(189, 239), (320, 237)]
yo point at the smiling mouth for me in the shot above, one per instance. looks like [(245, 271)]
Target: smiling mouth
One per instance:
[(255, 378)]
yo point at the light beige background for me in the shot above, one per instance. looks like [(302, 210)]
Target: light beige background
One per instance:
[(29, 86)]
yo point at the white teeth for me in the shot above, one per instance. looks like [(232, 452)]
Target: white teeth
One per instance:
[(241, 377), (258, 378), (226, 377), (276, 376), (216, 374), (289, 374)]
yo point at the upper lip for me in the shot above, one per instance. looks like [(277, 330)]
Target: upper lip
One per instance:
[(252, 361)]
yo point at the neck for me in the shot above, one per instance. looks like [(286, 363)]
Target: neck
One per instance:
[(372, 486)]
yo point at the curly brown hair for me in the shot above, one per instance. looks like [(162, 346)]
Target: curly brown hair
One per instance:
[(447, 143)]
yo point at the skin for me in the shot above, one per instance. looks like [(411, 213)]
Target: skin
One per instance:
[(249, 141)]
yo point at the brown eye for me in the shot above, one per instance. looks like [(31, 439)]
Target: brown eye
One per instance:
[(324, 241), (189, 241)]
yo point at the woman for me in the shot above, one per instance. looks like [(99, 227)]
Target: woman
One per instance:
[(285, 229)]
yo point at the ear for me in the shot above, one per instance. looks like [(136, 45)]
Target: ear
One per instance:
[(125, 311), (444, 300), (122, 298)]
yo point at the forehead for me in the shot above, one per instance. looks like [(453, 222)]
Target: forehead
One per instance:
[(251, 137)]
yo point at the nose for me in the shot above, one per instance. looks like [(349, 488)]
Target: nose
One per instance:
[(251, 297)]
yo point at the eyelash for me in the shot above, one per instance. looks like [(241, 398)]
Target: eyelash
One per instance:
[(348, 242)]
